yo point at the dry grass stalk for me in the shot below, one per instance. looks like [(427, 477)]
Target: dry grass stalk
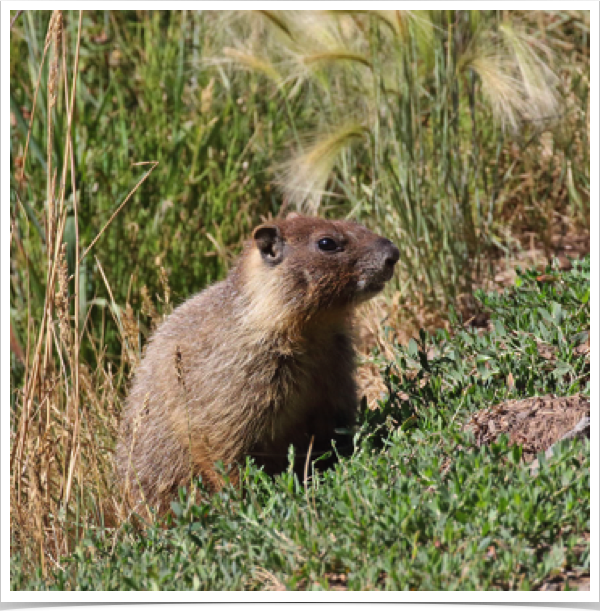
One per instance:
[(164, 281), (131, 332), (54, 37), (57, 464), (62, 303), (303, 179), (154, 164), (148, 308), (253, 63)]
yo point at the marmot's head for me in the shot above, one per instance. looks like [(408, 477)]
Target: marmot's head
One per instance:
[(310, 264)]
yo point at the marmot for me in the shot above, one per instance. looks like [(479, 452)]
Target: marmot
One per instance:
[(257, 362)]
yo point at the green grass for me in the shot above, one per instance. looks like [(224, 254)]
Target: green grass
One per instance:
[(434, 169), (471, 370), (417, 506), (389, 114), (417, 119), (140, 101)]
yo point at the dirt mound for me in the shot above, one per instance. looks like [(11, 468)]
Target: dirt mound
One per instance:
[(535, 423)]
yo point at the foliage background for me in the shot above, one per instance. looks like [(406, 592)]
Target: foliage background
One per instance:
[(462, 135)]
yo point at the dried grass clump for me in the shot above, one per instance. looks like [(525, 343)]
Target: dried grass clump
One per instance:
[(64, 418)]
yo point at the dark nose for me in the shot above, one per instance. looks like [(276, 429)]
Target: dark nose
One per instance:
[(391, 252)]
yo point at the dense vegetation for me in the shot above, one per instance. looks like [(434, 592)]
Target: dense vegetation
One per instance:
[(146, 144), (417, 506)]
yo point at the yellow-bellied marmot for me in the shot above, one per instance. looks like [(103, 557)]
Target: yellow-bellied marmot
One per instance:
[(257, 362)]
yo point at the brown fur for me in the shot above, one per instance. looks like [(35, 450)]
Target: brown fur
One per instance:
[(255, 363)]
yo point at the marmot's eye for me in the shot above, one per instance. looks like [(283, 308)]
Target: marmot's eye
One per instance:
[(327, 244)]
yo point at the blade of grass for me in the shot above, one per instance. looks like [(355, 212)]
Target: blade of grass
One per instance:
[(116, 212)]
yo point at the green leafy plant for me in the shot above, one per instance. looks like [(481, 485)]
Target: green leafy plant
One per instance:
[(418, 507)]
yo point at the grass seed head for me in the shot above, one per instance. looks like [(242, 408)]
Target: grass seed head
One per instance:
[(304, 176)]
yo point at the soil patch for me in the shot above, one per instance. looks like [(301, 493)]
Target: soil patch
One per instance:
[(535, 423)]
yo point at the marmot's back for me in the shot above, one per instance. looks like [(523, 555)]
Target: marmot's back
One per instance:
[(255, 363)]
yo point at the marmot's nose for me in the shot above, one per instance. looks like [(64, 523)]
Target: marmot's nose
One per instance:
[(390, 252)]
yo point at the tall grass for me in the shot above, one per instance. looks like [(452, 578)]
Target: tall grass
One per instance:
[(414, 116), (145, 145), (134, 179)]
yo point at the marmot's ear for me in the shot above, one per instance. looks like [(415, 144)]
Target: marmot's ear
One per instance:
[(269, 242), (292, 215)]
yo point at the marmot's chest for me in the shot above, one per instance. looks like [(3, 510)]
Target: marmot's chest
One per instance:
[(318, 379)]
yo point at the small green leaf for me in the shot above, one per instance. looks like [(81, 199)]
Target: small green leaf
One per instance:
[(562, 368), (557, 312), (177, 509), (499, 328), (409, 423), (586, 296), (517, 452)]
